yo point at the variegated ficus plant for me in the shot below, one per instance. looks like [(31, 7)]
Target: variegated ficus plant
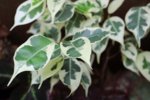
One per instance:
[(67, 32)]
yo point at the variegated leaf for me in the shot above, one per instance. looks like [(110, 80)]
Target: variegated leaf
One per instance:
[(93, 34), (33, 55), (53, 67), (71, 74), (99, 47), (129, 64), (65, 14), (116, 27), (57, 51), (46, 29), (130, 51), (86, 78), (38, 26), (137, 22), (114, 5), (52, 31), (54, 7), (53, 81), (148, 9), (35, 28), (143, 64), (29, 11), (74, 24), (46, 16), (91, 22), (78, 48), (103, 3)]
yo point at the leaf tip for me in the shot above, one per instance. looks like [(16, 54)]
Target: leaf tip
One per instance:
[(12, 27)]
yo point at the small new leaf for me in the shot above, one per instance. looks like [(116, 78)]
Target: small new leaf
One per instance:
[(85, 7)]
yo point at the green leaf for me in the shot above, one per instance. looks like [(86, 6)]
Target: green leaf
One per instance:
[(130, 51), (93, 34), (86, 7), (71, 74), (86, 78), (54, 7), (99, 47), (116, 27), (33, 55), (130, 64), (52, 68), (143, 64), (65, 14), (28, 11), (137, 22), (78, 48)]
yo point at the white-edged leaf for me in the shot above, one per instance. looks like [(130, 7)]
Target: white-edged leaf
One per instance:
[(143, 64), (54, 7), (137, 22), (148, 9), (129, 64), (49, 30), (130, 51), (71, 74), (86, 78), (114, 5), (28, 12), (32, 55), (74, 24), (78, 48), (65, 13), (51, 69), (93, 34), (99, 47), (116, 27)]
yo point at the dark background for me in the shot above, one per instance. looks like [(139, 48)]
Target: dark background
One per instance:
[(113, 83)]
